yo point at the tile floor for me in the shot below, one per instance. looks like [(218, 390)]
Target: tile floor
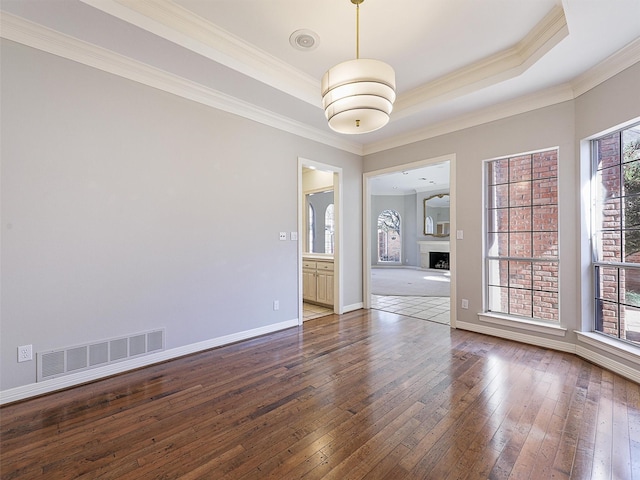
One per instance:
[(434, 309), (314, 311)]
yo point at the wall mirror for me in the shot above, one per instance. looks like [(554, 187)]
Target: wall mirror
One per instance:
[(436, 215), (320, 232)]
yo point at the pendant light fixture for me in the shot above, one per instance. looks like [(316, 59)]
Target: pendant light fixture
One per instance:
[(358, 95)]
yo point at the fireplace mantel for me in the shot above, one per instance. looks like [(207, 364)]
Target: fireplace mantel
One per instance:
[(425, 247)]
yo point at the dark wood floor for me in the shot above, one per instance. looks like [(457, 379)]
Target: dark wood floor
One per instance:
[(367, 395)]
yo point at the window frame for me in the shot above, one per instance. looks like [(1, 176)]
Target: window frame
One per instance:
[(329, 229), (311, 225), (598, 262), (530, 322)]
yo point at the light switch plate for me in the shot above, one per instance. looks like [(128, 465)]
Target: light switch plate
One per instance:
[(459, 234), (294, 235)]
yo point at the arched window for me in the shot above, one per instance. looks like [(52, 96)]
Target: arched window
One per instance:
[(312, 227), (328, 229), (428, 225), (389, 242)]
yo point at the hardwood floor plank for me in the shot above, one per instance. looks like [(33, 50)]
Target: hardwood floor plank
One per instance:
[(621, 442), (604, 442), (569, 438), (429, 450), (633, 397), (366, 395), (527, 460), (379, 445), (513, 456), (583, 461)]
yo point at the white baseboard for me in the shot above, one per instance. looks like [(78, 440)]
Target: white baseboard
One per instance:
[(353, 307), (48, 386), (518, 337), (603, 361), (612, 348), (608, 363)]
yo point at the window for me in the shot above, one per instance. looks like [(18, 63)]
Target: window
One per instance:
[(389, 243), (522, 235), (312, 227), (616, 233), (428, 225), (320, 231), (328, 229)]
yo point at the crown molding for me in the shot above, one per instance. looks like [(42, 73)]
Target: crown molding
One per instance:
[(36, 36), (534, 101), (494, 69), (616, 63), (182, 27)]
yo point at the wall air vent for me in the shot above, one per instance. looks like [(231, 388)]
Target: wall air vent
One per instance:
[(56, 363), (51, 364)]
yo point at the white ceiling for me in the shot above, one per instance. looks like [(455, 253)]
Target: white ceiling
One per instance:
[(430, 178), (458, 62)]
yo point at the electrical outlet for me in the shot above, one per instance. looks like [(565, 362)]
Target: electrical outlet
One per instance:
[(283, 235), (25, 353), (276, 305), (464, 303)]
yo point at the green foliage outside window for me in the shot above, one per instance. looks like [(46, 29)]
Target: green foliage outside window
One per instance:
[(631, 158)]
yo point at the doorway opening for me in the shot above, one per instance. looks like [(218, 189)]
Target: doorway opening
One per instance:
[(415, 276), (320, 245)]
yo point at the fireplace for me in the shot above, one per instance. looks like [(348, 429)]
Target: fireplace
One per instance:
[(428, 247), (439, 260)]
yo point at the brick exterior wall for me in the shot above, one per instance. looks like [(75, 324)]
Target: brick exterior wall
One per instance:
[(523, 223)]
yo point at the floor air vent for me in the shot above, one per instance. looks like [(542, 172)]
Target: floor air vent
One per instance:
[(56, 363)]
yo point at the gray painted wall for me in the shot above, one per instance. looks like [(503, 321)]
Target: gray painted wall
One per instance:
[(411, 231), (125, 209)]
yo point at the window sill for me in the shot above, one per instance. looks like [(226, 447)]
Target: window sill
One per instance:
[(523, 324), (610, 345)]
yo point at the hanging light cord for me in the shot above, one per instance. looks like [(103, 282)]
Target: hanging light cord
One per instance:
[(357, 31)]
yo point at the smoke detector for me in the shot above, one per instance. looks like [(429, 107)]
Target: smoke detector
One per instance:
[(304, 40)]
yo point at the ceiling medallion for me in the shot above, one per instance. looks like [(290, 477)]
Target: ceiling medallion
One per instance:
[(358, 95)]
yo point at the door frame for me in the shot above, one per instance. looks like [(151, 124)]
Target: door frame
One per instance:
[(366, 225), (337, 212)]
